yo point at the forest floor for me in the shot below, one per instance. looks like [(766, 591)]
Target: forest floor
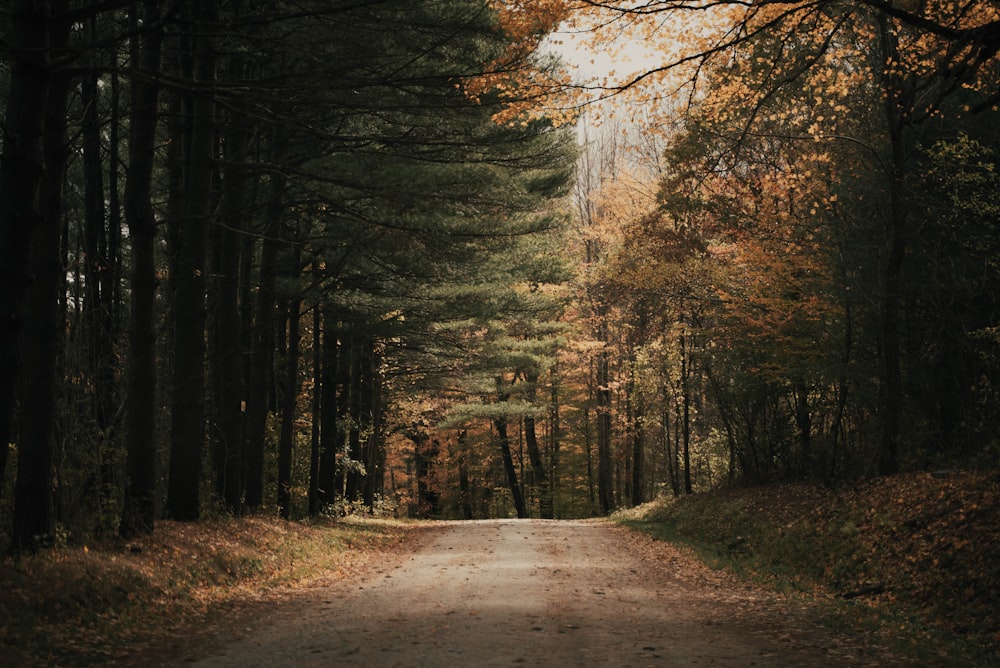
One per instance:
[(911, 559), (896, 571)]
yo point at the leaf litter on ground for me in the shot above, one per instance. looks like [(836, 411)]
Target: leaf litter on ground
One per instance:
[(99, 603), (911, 555)]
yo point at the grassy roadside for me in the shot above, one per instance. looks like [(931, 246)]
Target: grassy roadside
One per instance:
[(98, 604), (911, 558)]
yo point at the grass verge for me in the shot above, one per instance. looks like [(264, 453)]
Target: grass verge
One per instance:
[(909, 558), (110, 602)]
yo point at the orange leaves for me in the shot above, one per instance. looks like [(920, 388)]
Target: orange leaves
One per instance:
[(105, 604), (743, 52), (517, 78), (530, 20), (919, 544)]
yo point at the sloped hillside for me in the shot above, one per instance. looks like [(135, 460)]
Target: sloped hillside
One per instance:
[(914, 555)]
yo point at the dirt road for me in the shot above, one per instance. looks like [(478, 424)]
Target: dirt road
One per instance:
[(525, 592)]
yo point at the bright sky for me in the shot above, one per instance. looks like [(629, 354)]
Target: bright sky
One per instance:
[(630, 58), (634, 57)]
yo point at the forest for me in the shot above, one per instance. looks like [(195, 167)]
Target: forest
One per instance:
[(343, 256)]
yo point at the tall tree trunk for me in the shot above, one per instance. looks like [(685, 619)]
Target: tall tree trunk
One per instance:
[(315, 449), (33, 500), (638, 453), (114, 249), (636, 417), (228, 334), (93, 235), (555, 440), (669, 451), (465, 488), (371, 419), (139, 509), (605, 470), (425, 455), (22, 167), (354, 388), (686, 403), (187, 436), (262, 347), (286, 441), (541, 477), (330, 436), (892, 392), (508, 467), (589, 446), (340, 424), (99, 278), (539, 472)]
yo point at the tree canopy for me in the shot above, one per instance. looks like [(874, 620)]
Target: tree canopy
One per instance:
[(340, 256)]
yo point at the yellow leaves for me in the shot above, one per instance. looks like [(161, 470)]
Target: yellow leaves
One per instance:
[(669, 35), (527, 19), (655, 40)]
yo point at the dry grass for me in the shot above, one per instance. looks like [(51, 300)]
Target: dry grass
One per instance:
[(916, 554), (911, 556), (99, 604)]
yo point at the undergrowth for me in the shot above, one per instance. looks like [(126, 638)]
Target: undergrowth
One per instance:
[(910, 558), (109, 602)]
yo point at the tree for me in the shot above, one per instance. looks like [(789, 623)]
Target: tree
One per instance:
[(290, 390), (782, 73), (140, 503), (189, 270), (32, 39), (510, 344), (262, 340), (34, 522), (345, 176), (953, 317), (227, 248)]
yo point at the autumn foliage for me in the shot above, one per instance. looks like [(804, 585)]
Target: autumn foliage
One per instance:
[(784, 283), (777, 261)]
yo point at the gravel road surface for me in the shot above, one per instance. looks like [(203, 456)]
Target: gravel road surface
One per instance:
[(537, 593)]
